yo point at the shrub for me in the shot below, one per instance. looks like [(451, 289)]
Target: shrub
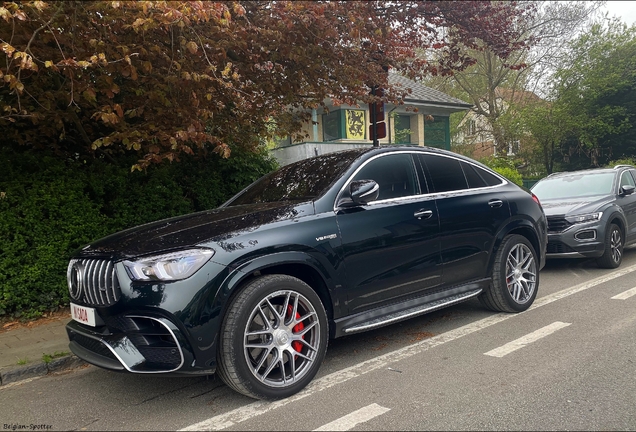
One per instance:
[(45, 214), (50, 207), (623, 161), (505, 167), (511, 174)]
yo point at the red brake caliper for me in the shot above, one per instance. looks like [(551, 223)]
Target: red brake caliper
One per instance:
[(296, 345)]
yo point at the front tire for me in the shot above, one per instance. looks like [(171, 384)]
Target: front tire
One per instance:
[(515, 276), (273, 338), (613, 255)]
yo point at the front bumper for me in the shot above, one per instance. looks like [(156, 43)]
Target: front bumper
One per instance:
[(134, 343), (578, 241), (147, 327)]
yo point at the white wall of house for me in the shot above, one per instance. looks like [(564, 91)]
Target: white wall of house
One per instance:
[(422, 102), (474, 130)]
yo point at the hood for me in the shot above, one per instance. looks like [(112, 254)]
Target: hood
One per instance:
[(572, 206), (190, 230)]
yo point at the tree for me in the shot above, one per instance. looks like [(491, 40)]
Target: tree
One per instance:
[(494, 85), (549, 125), (166, 78), (597, 89)]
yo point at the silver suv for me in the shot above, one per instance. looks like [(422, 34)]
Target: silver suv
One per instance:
[(591, 213)]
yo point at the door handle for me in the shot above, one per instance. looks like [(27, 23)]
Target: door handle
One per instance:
[(423, 214), (495, 203)]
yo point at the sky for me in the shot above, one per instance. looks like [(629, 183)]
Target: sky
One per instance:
[(626, 10)]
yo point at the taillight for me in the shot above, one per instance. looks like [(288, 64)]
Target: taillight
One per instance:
[(536, 199)]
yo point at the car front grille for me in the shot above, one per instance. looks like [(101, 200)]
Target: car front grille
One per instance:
[(557, 224), (93, 282)]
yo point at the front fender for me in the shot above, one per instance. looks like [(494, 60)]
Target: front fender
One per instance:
[(246, 270), (612, 212)]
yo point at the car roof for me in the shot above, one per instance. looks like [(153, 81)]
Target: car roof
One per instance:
[(390, 148), (361, 151), (617, 168), (417, 148)]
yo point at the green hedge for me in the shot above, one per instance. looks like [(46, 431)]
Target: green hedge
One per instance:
[(505, 167), (49, 207), (511, 174)]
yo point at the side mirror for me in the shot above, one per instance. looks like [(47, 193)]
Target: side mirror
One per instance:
[(627, 190), (363, 191)]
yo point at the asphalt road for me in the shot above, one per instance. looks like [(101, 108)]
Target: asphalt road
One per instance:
[(569, 363)]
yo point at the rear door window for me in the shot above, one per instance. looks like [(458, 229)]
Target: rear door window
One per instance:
[(446, 173), (473, 177), (489, 178)]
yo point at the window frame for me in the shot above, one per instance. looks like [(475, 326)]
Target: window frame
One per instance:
[(629, 176), (476, 167), (416, 173), (424, 182)]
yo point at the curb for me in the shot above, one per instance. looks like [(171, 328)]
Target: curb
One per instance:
[(13, 375)]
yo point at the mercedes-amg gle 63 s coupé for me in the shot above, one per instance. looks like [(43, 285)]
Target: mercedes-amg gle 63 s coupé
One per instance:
[(325, 247)]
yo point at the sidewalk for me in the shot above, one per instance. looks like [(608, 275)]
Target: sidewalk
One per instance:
[(27, 352)]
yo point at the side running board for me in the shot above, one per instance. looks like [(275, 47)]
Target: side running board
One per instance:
[(409, 313)]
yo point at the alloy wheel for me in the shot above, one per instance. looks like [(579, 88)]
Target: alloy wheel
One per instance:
[(281, 338), (615, 245), (521, 273)]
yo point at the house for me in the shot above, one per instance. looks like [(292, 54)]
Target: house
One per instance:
[(475, 133), (423, 119)]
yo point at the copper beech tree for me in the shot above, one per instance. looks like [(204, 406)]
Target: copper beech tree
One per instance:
[(166, 78)]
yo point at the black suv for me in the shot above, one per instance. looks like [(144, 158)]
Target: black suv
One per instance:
[(591, 213), (325, 247)]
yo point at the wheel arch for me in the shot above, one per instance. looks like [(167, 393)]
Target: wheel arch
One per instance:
[(296, 264), (521, 227), (618, 218)]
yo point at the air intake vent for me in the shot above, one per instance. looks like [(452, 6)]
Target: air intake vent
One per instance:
[(558, 247), (93, 282)]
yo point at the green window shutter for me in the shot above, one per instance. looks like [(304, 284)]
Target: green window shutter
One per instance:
[(403, 129), (332, 125), (437, 132)]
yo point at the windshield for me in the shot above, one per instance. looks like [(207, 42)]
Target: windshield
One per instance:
[(572, 186), (307, 179)]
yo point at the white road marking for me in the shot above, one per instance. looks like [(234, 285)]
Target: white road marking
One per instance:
[(246, 412), (355, 418), (625, 295), (527, 339), (19, 383)]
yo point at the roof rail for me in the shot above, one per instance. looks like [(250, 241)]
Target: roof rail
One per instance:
[(623, 166), (554, 173)]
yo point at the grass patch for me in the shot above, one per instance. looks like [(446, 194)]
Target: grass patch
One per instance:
[(48, 358)]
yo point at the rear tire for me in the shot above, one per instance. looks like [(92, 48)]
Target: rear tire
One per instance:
[(613, 255), (273, 338), (515, 276)]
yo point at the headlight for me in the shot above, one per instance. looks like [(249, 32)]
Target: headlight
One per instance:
[(168, 267), (584, 218)]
